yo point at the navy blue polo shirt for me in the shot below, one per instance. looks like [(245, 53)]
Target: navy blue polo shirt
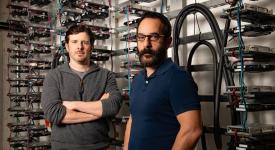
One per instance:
[(155, 102)]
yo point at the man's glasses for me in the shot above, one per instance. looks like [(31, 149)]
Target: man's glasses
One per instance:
[(151, 37)]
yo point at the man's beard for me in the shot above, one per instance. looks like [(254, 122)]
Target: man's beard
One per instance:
[(157, 57)]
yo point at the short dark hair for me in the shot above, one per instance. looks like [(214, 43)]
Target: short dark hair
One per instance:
[(164, 20), (75, 29)]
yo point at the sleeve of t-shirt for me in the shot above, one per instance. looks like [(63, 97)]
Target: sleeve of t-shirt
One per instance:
[(183, 92)]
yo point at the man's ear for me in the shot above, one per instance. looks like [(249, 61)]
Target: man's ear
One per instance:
[(67, 47), (168, 42)]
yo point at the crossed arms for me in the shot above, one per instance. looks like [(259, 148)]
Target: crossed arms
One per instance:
[(79, 111), (67, 111)]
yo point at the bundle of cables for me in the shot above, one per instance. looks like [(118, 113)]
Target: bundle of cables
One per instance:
[(191, 9)]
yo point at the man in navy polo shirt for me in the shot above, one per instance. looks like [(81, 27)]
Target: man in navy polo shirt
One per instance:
[(164, 105)]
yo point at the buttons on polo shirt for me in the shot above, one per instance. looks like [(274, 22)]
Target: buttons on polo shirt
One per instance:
[(146, 81)]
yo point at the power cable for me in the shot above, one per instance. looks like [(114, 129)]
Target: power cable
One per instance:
[(215, 62), (193, 8)]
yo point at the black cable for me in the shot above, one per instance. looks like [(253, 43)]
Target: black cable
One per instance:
[(214, 55), (203, 139), (190, 9), (235, 116), (215, 63), (55, 60)]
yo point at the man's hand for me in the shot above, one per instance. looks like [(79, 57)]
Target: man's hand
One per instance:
[(105, 96), (70, 104)]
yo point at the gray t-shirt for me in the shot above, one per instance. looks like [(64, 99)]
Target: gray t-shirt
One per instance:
[(80, 74)]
